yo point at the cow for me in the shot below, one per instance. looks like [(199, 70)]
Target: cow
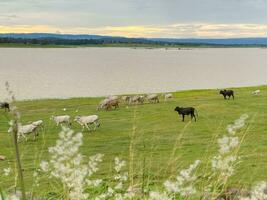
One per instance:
[(112, 103), (229, 93), (137, 99), (168, 96), (153, 98), (61, 119), (256, 92), (85, 121), (126, 99), (186, 111), (24, 130), (5, 105)]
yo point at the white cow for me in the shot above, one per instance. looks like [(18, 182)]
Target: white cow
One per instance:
[(103, 104), (85, 121), (256, 92), (153, 98), (24, 130), (61, 119), (137, 99), (168, 96), (111, 97), (38, 123)]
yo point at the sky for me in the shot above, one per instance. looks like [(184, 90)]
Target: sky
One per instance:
[(137, 18)]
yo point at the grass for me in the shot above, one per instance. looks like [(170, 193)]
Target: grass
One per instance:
[(150, 137)]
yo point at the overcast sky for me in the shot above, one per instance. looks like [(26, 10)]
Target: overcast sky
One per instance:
[(137, 18)]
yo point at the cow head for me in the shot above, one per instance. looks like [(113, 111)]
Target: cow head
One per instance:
[(77, 118), (222, 91), (177, 109)]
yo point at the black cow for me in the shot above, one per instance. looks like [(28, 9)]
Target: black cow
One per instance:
[(4, 105), (186, 111), (229, 93)]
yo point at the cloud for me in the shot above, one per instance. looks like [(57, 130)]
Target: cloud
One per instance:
[(178, 30)]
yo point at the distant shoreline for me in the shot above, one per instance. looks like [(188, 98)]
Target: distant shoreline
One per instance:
[(178, 47)]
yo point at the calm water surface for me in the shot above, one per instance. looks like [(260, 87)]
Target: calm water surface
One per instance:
[(72, 72)]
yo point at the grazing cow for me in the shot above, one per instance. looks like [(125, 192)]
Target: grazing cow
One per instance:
[(168, 96), (85, 121), (103, 104), (153, 98), (137, 99), (24, 130), (38, 123), (61, 119), (112, 103), (5, 105), (256, 92), (229, 93), (141, 99), (186, 111), (126, 99), (111, 97)]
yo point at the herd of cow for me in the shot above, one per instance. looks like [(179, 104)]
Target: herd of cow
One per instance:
[(111, 102)]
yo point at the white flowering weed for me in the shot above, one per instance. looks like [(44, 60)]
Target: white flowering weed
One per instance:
[(66, 164)]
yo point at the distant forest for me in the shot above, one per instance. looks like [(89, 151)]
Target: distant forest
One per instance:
[(59, 41), (45, 39)]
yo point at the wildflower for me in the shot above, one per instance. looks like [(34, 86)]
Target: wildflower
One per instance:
[(118, 192), (158, 196), (119, 164), (44, 166), (7, 171), (224, 161), (259, 192), (226, 144), (239, 123), (66, 164), (184, 181)]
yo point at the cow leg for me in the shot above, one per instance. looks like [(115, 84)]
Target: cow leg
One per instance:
[(24, 136), (183, 118), (233, 97), (95, 125), (87, 127), (193, 115)]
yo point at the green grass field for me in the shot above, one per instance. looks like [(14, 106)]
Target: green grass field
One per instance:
[(159, 143)]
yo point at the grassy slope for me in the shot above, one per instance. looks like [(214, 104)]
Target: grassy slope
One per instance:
[(161, 143)]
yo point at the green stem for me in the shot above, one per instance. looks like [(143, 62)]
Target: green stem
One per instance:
[(17, 154)]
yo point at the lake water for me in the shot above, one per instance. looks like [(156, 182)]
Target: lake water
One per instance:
[(75, 72)]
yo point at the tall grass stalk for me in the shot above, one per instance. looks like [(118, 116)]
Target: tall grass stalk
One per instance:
[(131, 150), (14, 131)]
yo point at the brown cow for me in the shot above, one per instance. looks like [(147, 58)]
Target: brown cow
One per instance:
[(112, 103)]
